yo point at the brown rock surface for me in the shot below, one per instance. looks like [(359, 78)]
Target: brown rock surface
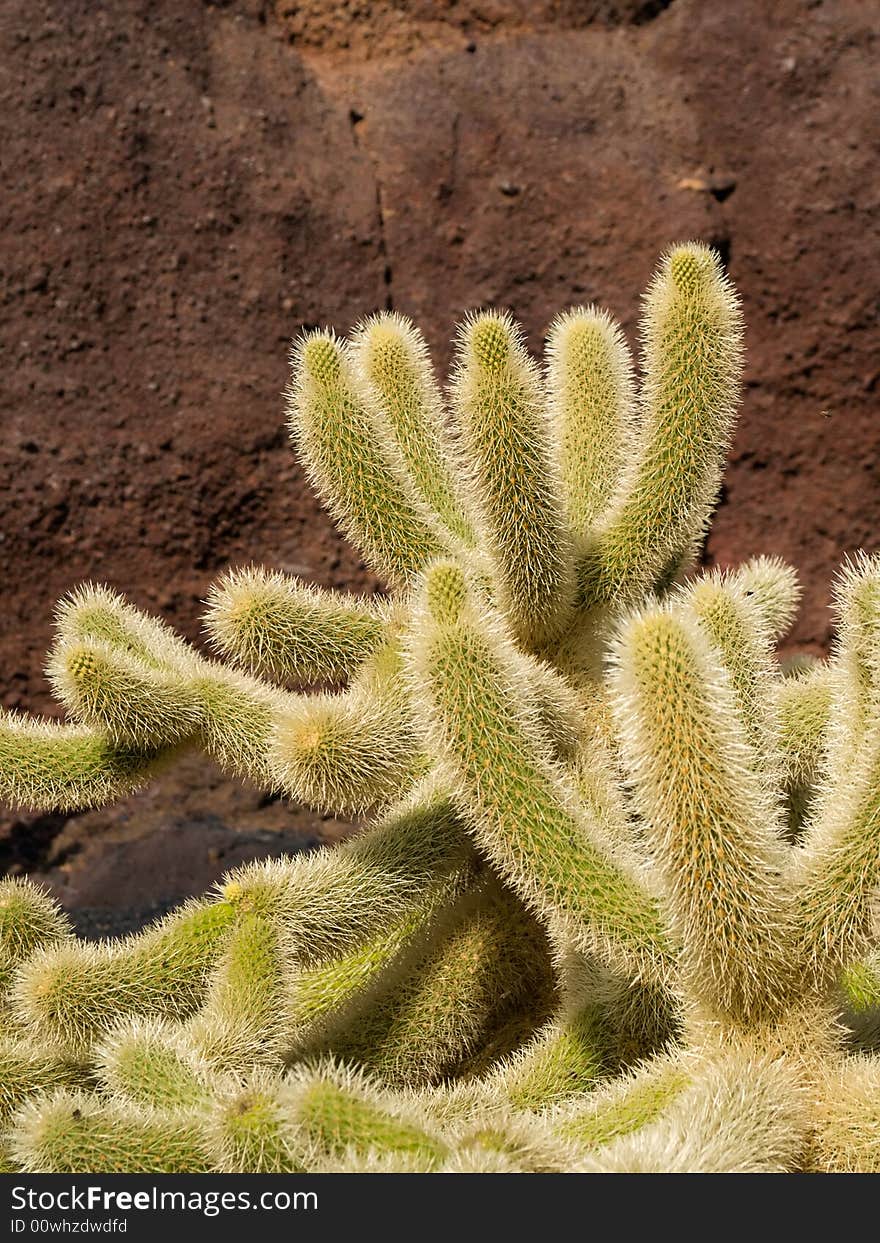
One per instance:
[(186, 186)]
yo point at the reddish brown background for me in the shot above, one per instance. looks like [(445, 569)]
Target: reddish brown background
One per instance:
[(185, 185)]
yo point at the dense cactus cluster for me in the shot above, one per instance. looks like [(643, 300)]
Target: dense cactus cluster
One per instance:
[(614, 905)]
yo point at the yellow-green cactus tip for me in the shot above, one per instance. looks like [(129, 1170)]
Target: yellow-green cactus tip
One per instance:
[(321, 359), (247, 610), (655, 638), (386, 354), (307, 737), (446, 593), (490, 341), (233, 892), (83, 664), (690, 265)]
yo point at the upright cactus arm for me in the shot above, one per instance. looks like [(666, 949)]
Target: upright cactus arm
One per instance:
[(736, 630), (592, 408), (595, 771), (772, 586), (711, 822), (278, 627), (558, 709), (804, 705), (391, 361), (47, 766), (836, 869), (516, 490), (692, 361), (349, 465), (855, 663), (523, 813)]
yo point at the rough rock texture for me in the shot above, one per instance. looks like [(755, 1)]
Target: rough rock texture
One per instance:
[(187, 185)]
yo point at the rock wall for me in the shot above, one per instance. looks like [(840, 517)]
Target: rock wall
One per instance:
[(187, 185)]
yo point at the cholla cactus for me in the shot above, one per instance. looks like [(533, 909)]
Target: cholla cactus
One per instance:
[(613, 907)]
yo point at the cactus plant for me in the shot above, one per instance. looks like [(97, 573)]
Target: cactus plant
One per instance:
[(613, 904)]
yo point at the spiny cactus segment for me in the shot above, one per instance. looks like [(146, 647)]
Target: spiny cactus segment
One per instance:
[(614, 903)]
